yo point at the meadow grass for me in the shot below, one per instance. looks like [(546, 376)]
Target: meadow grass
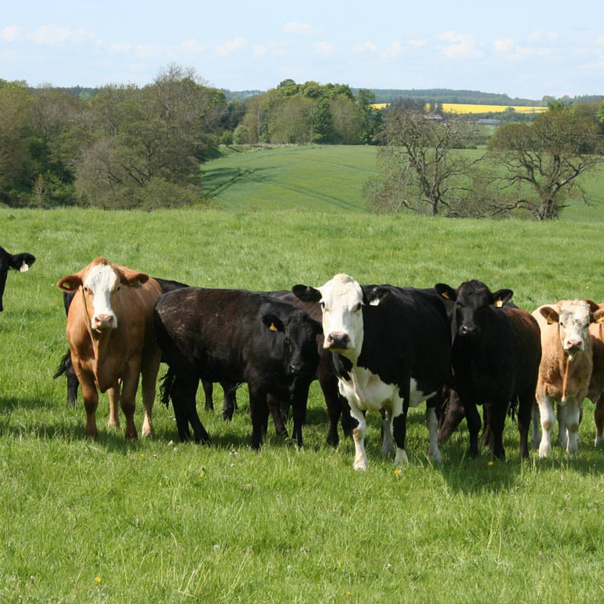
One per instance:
[(158, 521), (326, 178)]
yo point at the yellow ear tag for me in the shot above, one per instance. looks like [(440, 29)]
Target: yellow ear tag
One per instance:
[(66, 285), (499, 304), (445, 295), (272, 327)]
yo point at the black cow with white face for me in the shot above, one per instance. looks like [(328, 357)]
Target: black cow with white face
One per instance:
[(235, 336), (495, 359), (20, 262), (391, 349)]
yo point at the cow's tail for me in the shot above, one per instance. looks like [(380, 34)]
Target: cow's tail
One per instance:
[(167, 384), (62, 368)]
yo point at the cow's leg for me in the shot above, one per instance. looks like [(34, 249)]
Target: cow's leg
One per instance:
[(259, 413), (562, 425), (114, 405), (432, 423), (72, 381), (230, 401), (573, 419), (128, 399), (387, 439), (329, 386), (536, 437), (149, 373), (525, 408), (496, 413), (400, 407), (299, 399), (473, 421), (358, 434), (91, 402), (548, 420), (599, 419), (274, 406), (208, 393), (454, 413)]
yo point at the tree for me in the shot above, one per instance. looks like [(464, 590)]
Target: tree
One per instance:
[(545, 160), (423, 171)]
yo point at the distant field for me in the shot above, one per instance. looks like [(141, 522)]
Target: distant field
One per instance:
[(326, 178), (471, 108)]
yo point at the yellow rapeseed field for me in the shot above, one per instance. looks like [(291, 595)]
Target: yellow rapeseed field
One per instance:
[(468, 108)]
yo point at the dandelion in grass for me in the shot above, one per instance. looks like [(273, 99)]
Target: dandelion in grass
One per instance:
[(98, 580), (397, 472), (491, 463)]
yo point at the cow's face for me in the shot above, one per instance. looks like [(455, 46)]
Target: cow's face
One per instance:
[(101, 283), (341, 301), (20, 262), (573, 318), (472, 302), (299, 337)]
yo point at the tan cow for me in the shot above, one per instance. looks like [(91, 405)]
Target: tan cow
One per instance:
[(596, 385), (565, 369), (112, 339)]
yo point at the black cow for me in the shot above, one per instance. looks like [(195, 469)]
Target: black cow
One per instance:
[(20, 262), (235, 336), (391, 349), (495, 358)]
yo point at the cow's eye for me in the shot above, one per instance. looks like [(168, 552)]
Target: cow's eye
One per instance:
[(86, 290), (357, 308)]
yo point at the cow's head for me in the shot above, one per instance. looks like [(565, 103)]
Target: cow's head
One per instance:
[(20, 262), (100, 283), (342, 300), (573, 318), (299, 338), (472, 302)]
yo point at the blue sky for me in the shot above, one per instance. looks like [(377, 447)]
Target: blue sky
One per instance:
[(525, 49)]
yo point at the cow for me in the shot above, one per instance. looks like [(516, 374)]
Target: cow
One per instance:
[(112, 339), (595, 392), (235, 336), (496, 350), (565, 370), (21, 262), (391, 349)]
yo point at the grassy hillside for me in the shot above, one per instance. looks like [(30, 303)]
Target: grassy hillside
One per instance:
[(156, 521), (326, 178)]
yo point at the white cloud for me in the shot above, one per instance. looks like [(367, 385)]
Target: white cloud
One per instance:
[(417, 42), (295, 27), (11, 33), (259, 51), (324, 49), (230, 47), (149, 51), (540, 35), (394, 50), (53, 35), (365, 47), (510, 49), (460, 46), (192, 46)]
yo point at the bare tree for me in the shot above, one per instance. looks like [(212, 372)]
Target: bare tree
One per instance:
[(545, 160)]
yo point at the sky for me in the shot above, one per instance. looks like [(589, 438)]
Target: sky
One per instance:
[(526, 49)]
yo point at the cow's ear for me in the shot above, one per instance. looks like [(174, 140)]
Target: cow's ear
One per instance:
[(135, 279), (446, 291), (273, 322), (22, 262), (550, 314), (306, 293), (501, 297), (598, 316), (70, 283), (593, 307), (376, 295)]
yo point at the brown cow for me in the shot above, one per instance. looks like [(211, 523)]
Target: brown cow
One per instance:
[(112, 339), (565, 370), (596, 385)]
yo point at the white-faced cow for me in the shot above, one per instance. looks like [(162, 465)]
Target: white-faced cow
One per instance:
[(391, 350), (20, 262), (495, 361), (565, 370), (236, 336), (112, 340), (595, 393)]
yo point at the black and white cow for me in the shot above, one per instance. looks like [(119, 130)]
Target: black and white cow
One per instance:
[(391, 350), (20, 262), (236, 336), (495, 360)]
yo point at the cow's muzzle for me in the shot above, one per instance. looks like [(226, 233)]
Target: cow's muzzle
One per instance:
[(337, 340), (104, 322)]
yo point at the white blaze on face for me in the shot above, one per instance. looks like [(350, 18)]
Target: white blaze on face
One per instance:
[(341, 302), (574, 325), (24, 267), (100, 282)]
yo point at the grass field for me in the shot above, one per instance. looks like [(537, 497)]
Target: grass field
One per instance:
[(324, 178), (156, 521)]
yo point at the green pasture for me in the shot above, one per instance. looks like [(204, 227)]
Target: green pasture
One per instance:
[(157, 521), (326, 178)]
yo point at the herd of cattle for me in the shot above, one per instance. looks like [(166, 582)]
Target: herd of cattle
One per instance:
[(371, 347)]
